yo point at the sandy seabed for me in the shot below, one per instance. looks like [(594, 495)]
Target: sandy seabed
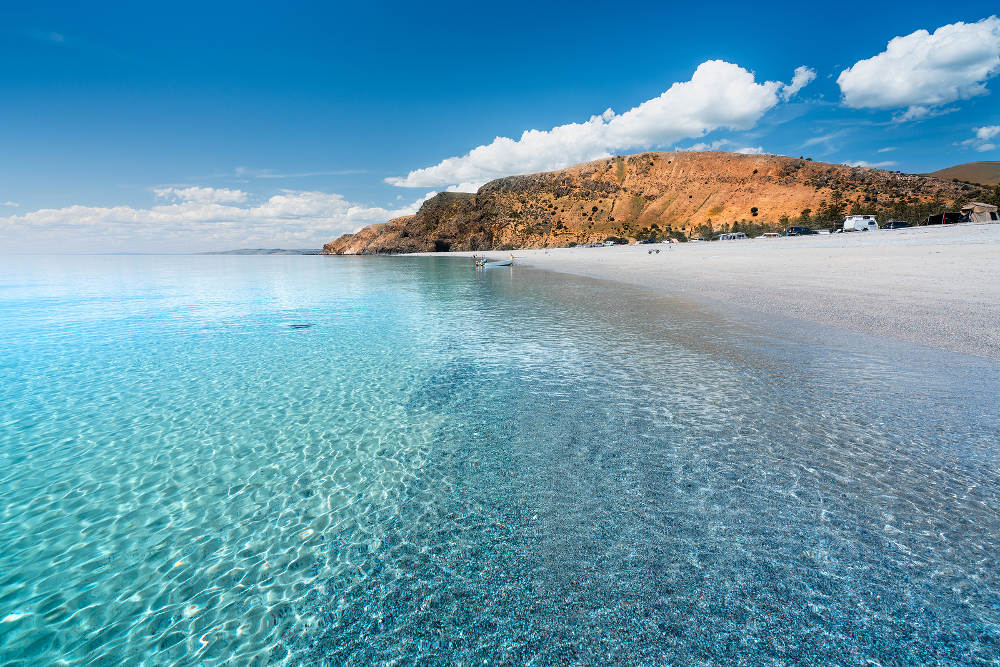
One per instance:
[(937, 286)]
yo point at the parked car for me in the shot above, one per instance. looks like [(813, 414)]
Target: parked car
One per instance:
[(896, 224), (798, 230)]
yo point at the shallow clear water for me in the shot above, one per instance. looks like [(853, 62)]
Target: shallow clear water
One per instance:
[(455, 467)]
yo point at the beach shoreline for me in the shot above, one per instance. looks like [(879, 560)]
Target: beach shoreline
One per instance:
[(934, 286)]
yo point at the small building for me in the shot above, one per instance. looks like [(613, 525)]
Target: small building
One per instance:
[(980, 212)]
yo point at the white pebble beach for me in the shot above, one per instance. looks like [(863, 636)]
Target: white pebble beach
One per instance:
[(937, 286)]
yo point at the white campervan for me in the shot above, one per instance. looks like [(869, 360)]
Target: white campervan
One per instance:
[(860, 223)]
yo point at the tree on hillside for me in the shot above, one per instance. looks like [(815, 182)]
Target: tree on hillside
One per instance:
[(994, 196), (832, 213)]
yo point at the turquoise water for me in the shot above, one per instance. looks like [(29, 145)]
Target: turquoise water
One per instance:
[(451, 467)]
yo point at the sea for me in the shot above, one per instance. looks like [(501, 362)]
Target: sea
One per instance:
[(307, 460)]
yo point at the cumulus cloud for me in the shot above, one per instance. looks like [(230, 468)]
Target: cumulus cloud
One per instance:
[(870, 165), (983, 137), (196, 220), (719, 95), (201, 195), (803, 77), (923, 71)]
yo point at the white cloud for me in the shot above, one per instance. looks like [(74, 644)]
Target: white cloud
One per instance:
[(704, 146), (803, 77), (468, 186), (10, 203), (886, 149), (195, 222), (826, 139), (53, 37), (721, 145), (983, 138), (914, 113), (922, 113), (870, 165), (719, 95), (987, 131), (922, 70), (201, 195)]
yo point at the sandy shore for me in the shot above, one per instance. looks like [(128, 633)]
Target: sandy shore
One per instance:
[(936, 286)]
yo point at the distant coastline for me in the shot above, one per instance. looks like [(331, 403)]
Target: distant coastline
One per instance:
[(265, 251)]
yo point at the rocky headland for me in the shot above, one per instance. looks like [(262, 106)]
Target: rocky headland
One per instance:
[(654, 194)]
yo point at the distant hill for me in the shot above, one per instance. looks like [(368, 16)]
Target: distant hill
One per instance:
[(264, 251), (653, 195), (985, 173)]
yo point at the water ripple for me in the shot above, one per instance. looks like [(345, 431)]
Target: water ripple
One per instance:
[(451, 467)]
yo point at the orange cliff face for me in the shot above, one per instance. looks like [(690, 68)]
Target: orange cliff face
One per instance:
[(625, 196)]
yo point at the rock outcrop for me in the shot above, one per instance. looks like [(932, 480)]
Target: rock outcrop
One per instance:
[(664, 193)]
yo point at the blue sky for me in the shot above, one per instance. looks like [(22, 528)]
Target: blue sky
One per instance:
[(179, 127)]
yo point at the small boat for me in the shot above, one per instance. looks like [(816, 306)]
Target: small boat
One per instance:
[(482, 262)]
